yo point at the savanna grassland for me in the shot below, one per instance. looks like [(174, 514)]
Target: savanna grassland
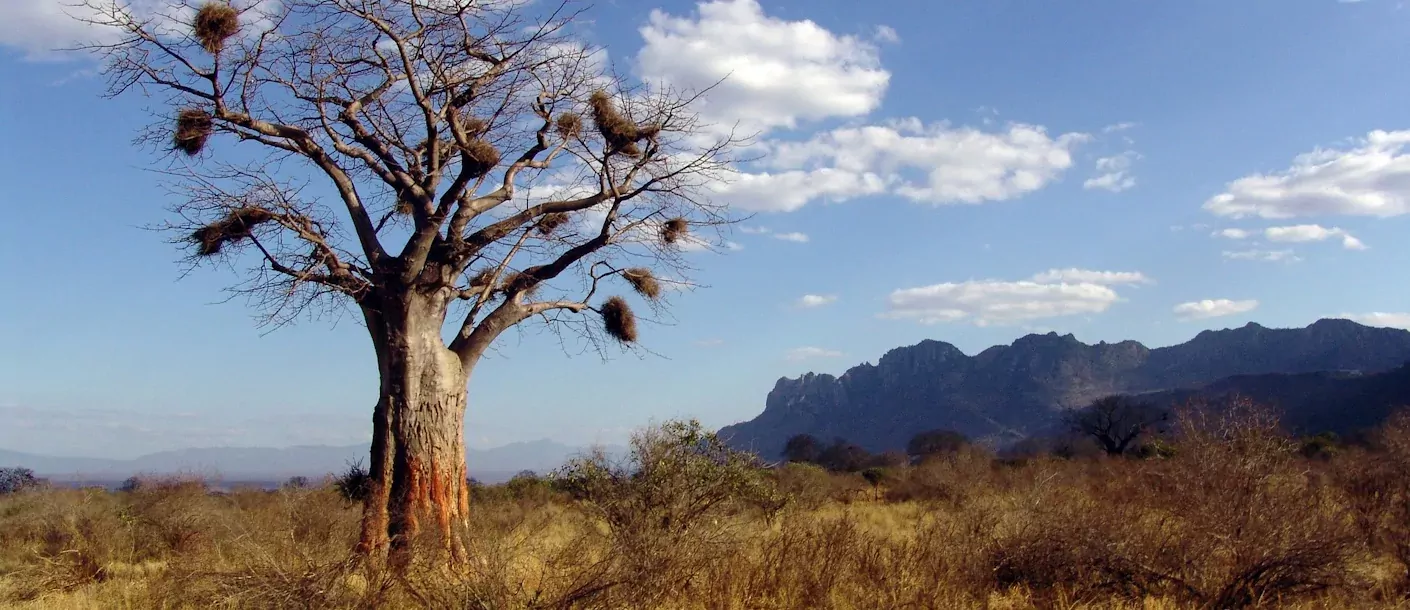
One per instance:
[(1231, 513)]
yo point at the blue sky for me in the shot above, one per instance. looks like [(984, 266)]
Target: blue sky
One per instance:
[(962, 171)]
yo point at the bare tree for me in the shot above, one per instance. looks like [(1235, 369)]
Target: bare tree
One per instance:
[(1114, 422), (485, 168)]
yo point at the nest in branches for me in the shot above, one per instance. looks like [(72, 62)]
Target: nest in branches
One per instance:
[(618, 320), (643, 282), (193, 128), (674, 229), (483, 278), (480, 157), (569, 125), (548, 223), (474, 127), (237, 225), (215, 23), (620, 132), (521, 282)]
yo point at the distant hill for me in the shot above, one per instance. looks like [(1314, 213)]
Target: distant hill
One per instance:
[(263, 463), (1006, 392), (1341, 402)]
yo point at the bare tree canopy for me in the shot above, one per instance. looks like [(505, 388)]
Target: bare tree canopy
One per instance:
[(416, 159), (1115, 422)]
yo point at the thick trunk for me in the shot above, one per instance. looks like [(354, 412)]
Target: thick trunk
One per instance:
[(418, 491)]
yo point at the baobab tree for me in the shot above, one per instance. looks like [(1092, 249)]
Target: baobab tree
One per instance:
[(448, 169)]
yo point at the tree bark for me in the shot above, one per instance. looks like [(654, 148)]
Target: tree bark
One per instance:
[(417, 475)]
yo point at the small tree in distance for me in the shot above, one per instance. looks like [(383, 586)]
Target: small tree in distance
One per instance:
[(803, 448), (425, 124), (935, 442), (17, 479), (1115, 422)]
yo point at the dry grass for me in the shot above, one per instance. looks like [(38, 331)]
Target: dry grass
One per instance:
[(1236, 519)]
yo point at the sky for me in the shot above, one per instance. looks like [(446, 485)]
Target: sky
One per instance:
[(964, 171)]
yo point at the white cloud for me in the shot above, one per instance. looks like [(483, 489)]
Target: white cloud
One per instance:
[(809, 301), (957, 165), (887, 34), (1380, 318), (985, 302), (1370, 179), (788, 191), (1212, 308), (806, 353), (1114, 173), (1233, 233), (775, 72), (1118, 127), (1307, 233), (41, 28), (1267, 256), (754, 230), (1088, 276), (801, 238)]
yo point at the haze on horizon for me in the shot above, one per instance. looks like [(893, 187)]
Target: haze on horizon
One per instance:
[(966, 172)]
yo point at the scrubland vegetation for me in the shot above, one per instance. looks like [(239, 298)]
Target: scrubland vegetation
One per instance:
[(1230, 513)]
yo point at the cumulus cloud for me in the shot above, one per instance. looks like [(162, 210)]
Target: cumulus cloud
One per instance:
[(1266, 256), (809, 301), (1233, 233), (789, 191), (1088, 276), (1114, 173), (1380, 318), (1306, 233), (955, 164), (1371, 178), (1050, 294), (808, 353), (770, 72), (887, 34), (1212, 308), (41, 28), (795, 236)]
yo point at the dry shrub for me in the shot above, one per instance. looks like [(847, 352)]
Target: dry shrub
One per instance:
[(1377, 492), (238, 224), (643, 282), (678, 505), (674, 229), (807, 486), (171, 515), (215, 23), (72, 544), (193, 129), (947, 479), (618, 319)]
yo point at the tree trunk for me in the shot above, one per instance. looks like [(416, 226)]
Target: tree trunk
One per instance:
[(418, 452)]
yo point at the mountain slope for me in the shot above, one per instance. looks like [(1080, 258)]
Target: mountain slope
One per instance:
[(1005, 392)]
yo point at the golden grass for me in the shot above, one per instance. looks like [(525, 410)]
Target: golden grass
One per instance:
[(1221, 525)]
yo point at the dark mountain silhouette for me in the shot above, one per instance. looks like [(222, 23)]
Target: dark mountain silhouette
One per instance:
[(1342, 402), (1006, 392)]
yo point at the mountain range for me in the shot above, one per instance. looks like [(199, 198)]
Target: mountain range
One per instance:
[(1006, 392), (277, 464)]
